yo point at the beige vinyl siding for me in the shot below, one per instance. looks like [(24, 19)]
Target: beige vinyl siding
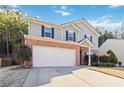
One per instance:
[(69, 28), (35, 30), (60, 31), (80, 34), (87, 31), (57, 33)]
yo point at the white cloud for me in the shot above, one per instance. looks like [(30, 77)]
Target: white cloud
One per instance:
[(115, 6), (107, 22), (105, 18), (38, 17), (63, 7), (0, 10), (15, 6), (63, 13), (63, 10)]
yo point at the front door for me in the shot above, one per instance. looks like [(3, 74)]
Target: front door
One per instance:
[(84, 57)]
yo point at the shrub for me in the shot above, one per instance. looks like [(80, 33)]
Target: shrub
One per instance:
[(104, 59), (14, 62), (113, 58), (24, 54), (107, 61), (106, 64), (94, 60)]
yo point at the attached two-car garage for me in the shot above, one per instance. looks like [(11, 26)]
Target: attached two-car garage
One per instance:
[(51, 52), (53, 56)]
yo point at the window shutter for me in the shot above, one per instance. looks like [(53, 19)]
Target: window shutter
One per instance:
[(42, 31), (66, 35), (85, 36), (91, 38), (74, 36), (52, 32)]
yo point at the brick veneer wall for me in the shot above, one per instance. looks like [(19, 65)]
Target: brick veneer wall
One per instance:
[(54, 43)]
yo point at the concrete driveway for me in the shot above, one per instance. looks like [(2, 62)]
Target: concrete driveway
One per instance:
[(58, 77), (69, 77)]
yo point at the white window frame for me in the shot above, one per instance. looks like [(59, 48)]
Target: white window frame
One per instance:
[(47, 30), (71, 33)]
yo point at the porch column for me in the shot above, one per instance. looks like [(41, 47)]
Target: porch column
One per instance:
[(89, 54)]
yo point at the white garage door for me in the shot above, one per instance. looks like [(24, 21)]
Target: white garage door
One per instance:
[(53, 56)]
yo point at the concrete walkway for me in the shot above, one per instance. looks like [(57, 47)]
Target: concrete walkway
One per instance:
[(69, 77), (98, 79)]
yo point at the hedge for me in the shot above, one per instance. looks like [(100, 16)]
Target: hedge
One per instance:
[(106, 65), (104, 59), (113, 58)]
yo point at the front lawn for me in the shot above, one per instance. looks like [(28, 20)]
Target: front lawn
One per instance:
[(114, 71)]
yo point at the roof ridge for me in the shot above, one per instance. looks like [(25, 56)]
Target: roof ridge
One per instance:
[(77, 26), (39, 20), (72, 21)]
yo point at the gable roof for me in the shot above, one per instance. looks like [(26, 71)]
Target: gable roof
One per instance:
[(72, 23), (36, 20), (113, 42), (85, 42), (116, 45), (83, 21)]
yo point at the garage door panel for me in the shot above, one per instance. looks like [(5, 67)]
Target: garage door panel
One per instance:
[(53, 56)]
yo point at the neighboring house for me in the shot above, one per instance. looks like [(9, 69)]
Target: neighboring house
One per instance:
[(117, 46), (61, 45)]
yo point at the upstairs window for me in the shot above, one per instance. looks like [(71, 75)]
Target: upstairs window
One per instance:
[(47, 32), (89, 37), (70, 36)]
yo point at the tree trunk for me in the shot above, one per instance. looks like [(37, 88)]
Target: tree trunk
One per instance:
[(7, 45)]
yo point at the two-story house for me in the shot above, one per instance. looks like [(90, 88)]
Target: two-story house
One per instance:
[(61, 45)]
